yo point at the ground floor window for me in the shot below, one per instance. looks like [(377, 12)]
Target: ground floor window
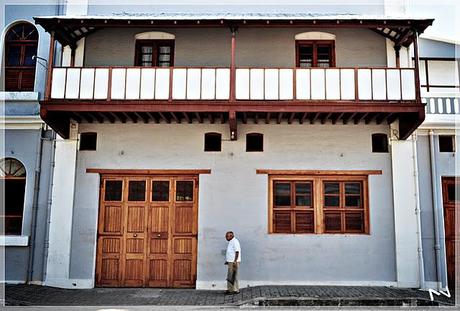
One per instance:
[(318, 204), (13, 179)]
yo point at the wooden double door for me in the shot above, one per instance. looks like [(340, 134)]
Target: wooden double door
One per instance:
[(147, 232), (450, 188)]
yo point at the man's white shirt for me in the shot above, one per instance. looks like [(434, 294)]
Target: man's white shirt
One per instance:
[(233, 247)]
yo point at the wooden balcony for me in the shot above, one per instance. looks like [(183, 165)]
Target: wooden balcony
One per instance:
[(179, 94), (233, 95), (254, 84)]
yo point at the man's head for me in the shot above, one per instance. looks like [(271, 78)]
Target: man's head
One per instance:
[(229, 235)]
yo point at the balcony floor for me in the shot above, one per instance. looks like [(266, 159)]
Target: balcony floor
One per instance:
[(58, 114)]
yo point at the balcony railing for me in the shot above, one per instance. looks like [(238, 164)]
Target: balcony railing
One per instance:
[(207, 84), (442, 104)]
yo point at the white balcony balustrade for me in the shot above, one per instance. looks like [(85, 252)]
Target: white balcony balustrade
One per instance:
[(332, 84)]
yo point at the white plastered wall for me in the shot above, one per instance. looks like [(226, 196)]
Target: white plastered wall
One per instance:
[(60, 221), (75, 7)]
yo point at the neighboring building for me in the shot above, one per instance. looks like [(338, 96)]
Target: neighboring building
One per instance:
[(437, 144), (27, 158)]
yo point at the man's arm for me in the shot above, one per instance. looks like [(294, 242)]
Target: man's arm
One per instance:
[(236, 256)]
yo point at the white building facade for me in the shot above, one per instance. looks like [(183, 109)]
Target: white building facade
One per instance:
[(296, 131)]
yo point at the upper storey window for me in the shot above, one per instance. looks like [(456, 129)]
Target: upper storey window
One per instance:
[(315, 53), (21, 43), (154, 53)]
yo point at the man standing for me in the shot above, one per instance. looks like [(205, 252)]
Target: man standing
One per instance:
[(232, 259)]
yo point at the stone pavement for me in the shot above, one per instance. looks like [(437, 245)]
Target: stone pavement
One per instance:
[(33, 295)]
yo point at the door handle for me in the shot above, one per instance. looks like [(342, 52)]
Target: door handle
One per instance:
[(135, 235), (158, 235)]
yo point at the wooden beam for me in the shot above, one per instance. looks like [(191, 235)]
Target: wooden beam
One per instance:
[(392, 118), (175, 117), (417, 68), (256, 118), (370, 117), (222, 118), (314, 117), (147, 171), (239, 106), (86, 116), (291, 117), (233, 66), (164, 117), (267, 118), (75, 117), (186, 117), (359, 119), (123, 118), (245, 118), (347, 119), (199, 117), (155, 119), (49, 77), (233, 125), (397, 48), (211, 118), (337, 117), (382, 117), (132, 116), (142, 116), (280, 116), (99, 117), (302, 119), (325, 117), (408, 123), (59, 122), (319, 172), (403, 37)]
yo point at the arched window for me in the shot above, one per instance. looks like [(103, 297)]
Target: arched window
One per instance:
[(13, 178), (315, 49), (21, 43), (154, 49)]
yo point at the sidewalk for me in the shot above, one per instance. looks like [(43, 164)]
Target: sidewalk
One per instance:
[(32, 295)]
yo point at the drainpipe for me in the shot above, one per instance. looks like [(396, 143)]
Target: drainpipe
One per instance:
[(48, 205), (418, 214), (37, 173), (434, 189)]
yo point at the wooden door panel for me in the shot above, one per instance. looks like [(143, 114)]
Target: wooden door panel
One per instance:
[(182, 270), (135, 246), (134, 272), (135, 219), (110, 271), (112, 222), (158, 272), (159, 219), (183, 246), (183, 219), (110, 245)]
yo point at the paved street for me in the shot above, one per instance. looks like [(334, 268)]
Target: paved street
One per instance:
[(30, 295)]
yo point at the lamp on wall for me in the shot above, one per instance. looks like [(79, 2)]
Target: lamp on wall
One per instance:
[(35, 57)]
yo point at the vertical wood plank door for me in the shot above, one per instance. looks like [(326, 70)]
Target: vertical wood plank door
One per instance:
[(147, 231), (450, 187)]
